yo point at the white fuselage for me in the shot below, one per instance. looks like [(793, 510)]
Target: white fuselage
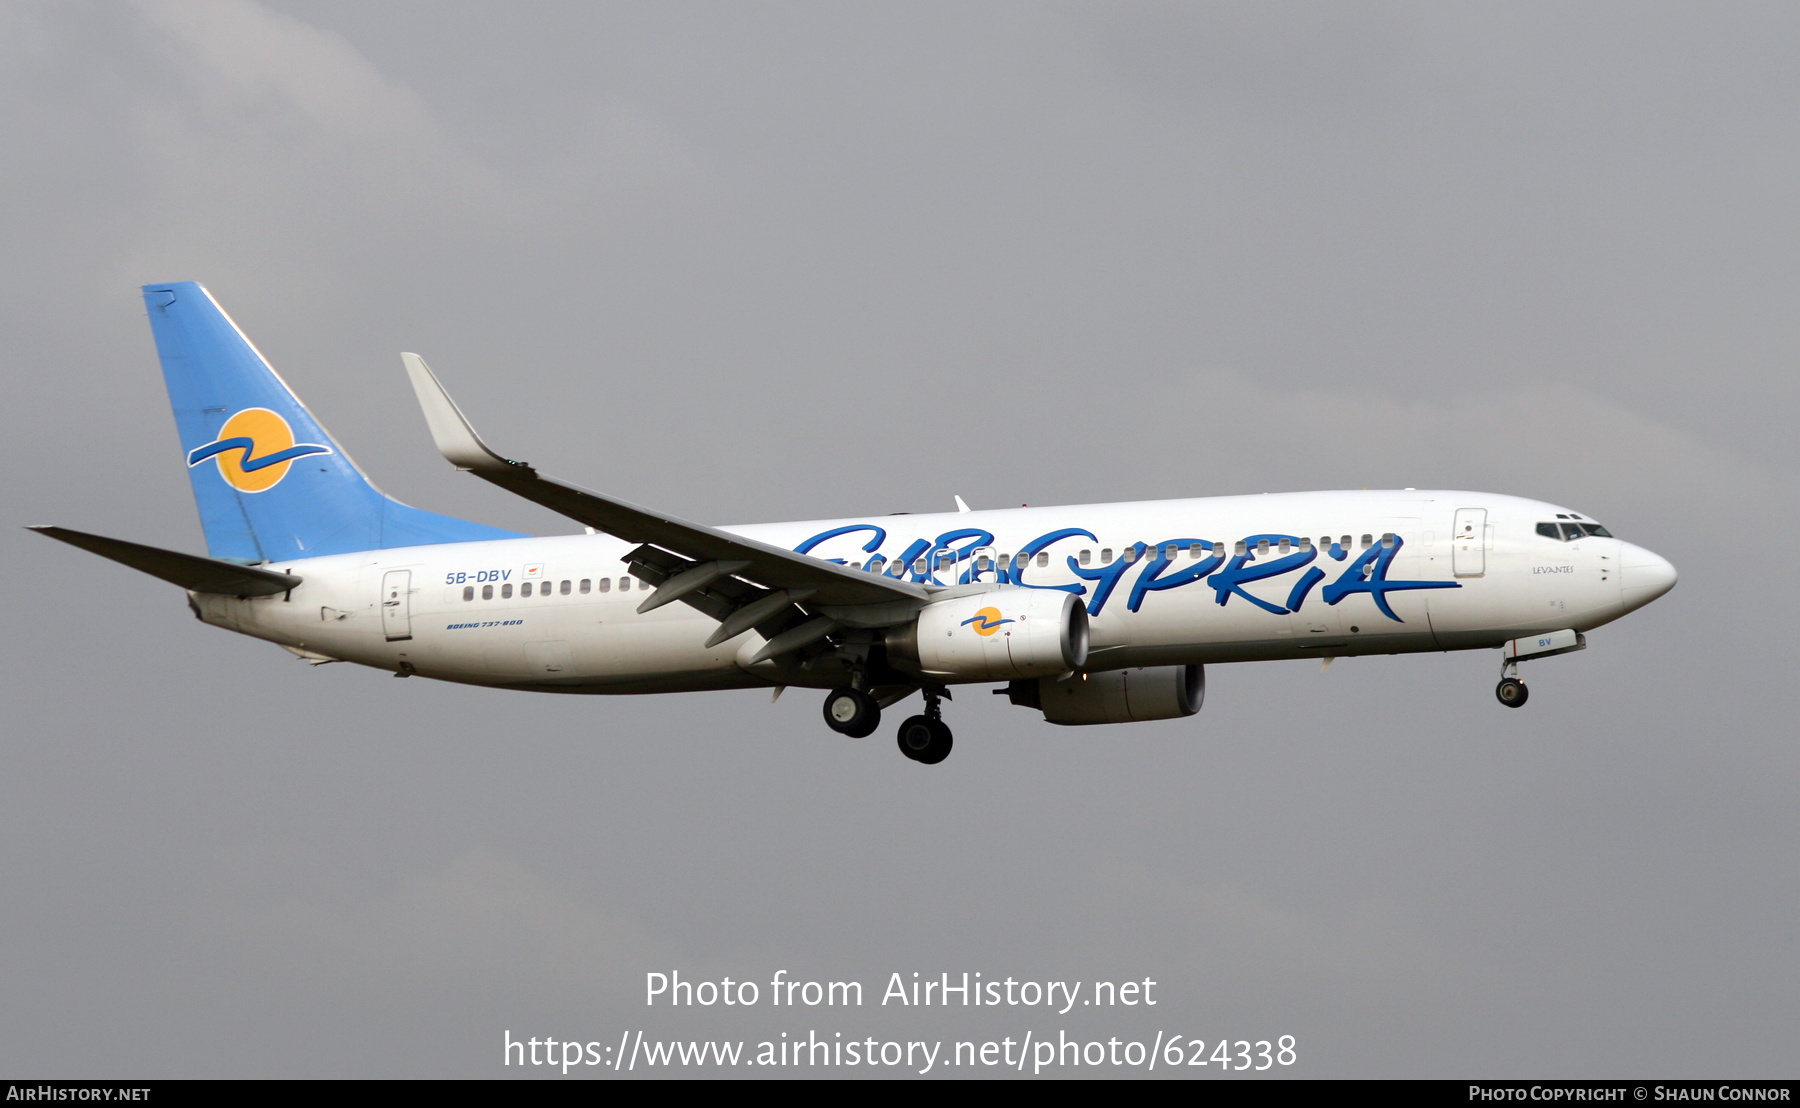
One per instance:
[(1457, 570)]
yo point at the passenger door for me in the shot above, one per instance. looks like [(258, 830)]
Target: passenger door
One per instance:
[(396, 604), (1468, 543)]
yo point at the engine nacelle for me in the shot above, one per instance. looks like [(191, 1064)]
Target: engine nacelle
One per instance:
[(1003, 633), (1116, 696)]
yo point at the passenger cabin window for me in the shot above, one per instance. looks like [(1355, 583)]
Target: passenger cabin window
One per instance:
[(566, 586), (1084, 557), (1241, 548), (1305, 543), (587, 584), (506, 591), (1387, 541), (1194, 550), (605, 584), (1043, 557), (1368, 541), (1130, 555), (1106, 555), (525, 589), (487, 592), (468, 592), (624, 584)]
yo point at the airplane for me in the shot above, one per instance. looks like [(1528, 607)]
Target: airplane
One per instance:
[(1087, 614)]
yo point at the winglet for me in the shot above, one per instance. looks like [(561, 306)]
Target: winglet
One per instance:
[(456, 440), (960, 506)]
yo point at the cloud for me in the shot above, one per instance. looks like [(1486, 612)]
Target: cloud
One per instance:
[(241, 58), (1560, 442), (485, 907), (270, 140)]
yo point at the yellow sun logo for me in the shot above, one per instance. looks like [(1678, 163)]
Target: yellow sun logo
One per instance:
[(254, 450), (986, 621)]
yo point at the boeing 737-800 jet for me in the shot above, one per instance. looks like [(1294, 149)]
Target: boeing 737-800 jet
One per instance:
[(1096, 613)]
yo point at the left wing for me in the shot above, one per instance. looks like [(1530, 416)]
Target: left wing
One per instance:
[(714, 571)]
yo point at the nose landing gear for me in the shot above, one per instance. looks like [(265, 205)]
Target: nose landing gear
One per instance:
[(1511, 691), (924, 738)]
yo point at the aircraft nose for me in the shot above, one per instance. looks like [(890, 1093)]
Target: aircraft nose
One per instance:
[(1643, 575)]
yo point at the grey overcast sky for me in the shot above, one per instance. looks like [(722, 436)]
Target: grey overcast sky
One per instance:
[(779, 261)]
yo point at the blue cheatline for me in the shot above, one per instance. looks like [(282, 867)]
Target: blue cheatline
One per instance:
[(270, 483)]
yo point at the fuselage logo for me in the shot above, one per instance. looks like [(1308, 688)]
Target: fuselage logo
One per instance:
[(254, 450), (986, 621)]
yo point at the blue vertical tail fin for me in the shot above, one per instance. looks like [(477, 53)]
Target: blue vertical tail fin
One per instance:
[(270, 483)]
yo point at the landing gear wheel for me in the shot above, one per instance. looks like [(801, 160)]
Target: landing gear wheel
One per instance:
[(925, 740), (852, 712), (1512, 692)]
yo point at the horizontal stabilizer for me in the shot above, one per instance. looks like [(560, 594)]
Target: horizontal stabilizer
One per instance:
[(190, 571)]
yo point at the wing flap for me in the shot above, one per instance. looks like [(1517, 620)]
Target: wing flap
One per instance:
[(722, 599)]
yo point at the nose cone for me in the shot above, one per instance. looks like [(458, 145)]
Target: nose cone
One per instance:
[(1643, 576)]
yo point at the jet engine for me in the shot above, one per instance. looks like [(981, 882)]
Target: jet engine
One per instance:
[(1115, 696), (1003, 633)]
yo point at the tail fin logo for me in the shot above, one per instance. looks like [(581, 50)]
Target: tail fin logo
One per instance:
[(254, 450), (986, 621)]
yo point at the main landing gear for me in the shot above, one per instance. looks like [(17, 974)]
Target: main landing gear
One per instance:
[(1511, 691), (852, 712), (925, 738)]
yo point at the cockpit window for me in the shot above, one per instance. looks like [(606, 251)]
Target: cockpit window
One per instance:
[(1569, 532)]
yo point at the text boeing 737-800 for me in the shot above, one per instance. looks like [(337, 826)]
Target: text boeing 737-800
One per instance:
[(1100, 613)]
